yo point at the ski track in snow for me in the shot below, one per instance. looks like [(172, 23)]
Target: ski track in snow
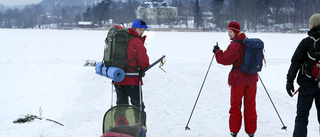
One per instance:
[(44, 68)]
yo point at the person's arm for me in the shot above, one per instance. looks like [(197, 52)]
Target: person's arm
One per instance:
[(142, 57), (229, 56)]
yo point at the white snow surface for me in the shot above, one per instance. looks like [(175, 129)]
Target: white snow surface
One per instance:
[(45, 69)]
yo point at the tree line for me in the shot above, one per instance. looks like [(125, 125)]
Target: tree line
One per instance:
[(206, 14), (266, 14)]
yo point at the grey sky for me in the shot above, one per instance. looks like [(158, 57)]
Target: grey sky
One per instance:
[(18, 2)]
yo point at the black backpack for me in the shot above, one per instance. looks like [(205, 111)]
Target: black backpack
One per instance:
[(314, 60)]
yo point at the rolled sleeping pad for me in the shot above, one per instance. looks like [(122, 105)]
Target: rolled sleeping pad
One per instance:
[(114, 73)]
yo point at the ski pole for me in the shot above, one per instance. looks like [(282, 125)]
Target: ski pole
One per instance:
[(284, 127), (140, 92), (187, 128), (111, 94)]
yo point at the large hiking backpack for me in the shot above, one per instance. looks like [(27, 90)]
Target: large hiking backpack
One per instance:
[(114, 62), (115, 52), (253, 55)]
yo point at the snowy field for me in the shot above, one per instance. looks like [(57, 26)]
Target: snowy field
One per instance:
[(45, 69)]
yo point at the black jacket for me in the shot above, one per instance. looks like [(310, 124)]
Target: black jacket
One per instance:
[(302, 63)]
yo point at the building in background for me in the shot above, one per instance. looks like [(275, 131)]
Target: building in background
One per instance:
[(157, 12)]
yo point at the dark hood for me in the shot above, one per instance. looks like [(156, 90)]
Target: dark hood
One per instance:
[(315, 32)]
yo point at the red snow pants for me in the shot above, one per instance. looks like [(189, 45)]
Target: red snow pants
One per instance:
[(248, 92)]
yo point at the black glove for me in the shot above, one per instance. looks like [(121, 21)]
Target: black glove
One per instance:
[(290, 88), (215, 48)]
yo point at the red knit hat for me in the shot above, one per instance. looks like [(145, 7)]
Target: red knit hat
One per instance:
[(235, 27)]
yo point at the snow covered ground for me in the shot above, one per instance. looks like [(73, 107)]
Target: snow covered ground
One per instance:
[(44, 69)]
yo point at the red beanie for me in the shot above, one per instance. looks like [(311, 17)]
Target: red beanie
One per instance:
[(235, 27)]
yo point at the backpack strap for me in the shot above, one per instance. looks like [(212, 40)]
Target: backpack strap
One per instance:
[(127, 64), (314, 39), (304, 69), (239, 41), (131, 67), (316, 59), (132, 73)]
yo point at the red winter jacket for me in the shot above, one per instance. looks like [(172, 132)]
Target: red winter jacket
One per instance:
[(136, 51), (234, 56)]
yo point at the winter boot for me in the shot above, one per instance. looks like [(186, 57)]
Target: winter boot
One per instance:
[(233, 134), (251, 135)]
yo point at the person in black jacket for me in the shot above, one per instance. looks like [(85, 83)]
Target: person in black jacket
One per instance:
[(304, 60)]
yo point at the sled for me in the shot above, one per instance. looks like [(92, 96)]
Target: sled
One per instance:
[(124, 121)]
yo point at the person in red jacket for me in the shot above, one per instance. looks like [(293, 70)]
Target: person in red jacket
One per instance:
[(137, 58), (242, 84)]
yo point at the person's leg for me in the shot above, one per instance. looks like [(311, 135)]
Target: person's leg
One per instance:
[(235, 118), (135, 101), (250, 114), (317, 102), (133, 93), (122, 97), (304, 104)]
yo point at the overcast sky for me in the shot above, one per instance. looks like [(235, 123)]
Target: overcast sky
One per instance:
[(18, 2)]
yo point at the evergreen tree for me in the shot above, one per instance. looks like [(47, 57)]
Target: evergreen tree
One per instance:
[(218, 11), (198, 22), (100, 12), (88, 16)]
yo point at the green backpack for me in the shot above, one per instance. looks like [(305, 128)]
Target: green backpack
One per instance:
[(115, 51)]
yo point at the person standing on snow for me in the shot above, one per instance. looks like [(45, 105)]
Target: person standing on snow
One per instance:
[(137, 58), (303, 59), (242, 84)]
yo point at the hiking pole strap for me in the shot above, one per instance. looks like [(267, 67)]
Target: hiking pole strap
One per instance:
[(187, 128), (284, 127), (162, 62), (154, 63)]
